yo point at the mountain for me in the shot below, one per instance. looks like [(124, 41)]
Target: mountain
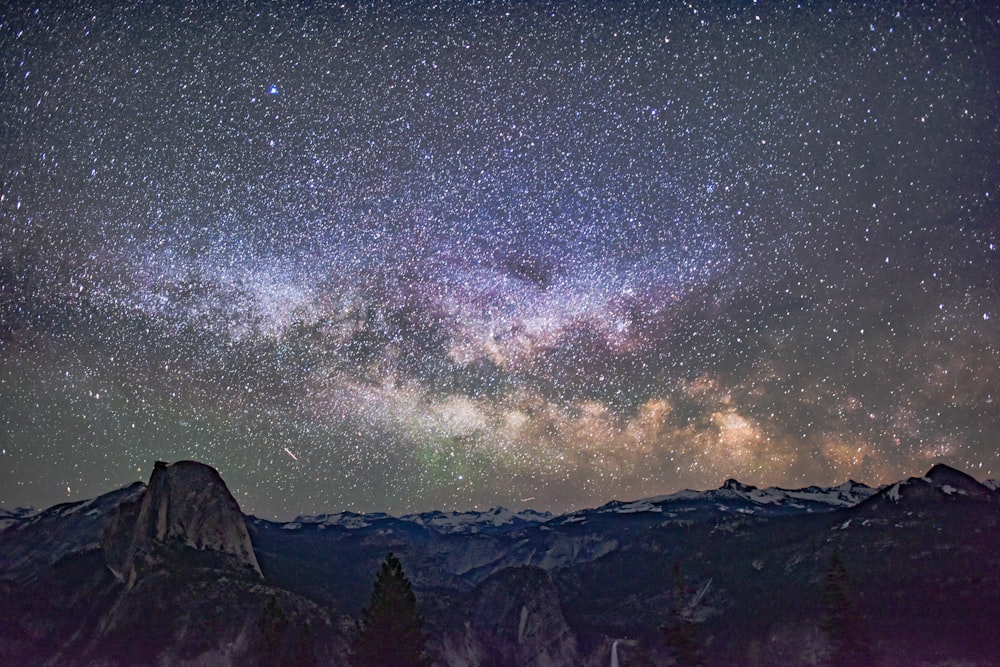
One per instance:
[(33, 541), (736, 497), (157, 574), (940, 479), (11, 517), (186, 503), (495, 521), (174, 573)]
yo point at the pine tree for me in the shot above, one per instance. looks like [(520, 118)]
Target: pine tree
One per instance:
[(283, 643), (842, 622), (391, 629)]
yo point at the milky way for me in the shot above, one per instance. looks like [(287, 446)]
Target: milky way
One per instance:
[(372, 257)]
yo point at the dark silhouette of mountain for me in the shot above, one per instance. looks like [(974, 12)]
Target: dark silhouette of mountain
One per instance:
[(173, 573)]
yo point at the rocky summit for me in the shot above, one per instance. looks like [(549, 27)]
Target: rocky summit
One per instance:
[(186, 504), (174, 573)]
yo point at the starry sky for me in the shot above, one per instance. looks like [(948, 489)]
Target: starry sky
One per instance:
[(395, 257)]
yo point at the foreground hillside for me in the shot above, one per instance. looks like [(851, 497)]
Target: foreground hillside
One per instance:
[(174, 573)]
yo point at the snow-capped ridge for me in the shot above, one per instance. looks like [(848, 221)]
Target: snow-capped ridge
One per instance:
[(941, 481), (848, 494), (348, 520), (637, 507), (473, 521), (443, 522)]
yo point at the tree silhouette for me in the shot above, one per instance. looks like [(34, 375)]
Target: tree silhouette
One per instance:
[(282, 643), (841, 621), (391, 629)]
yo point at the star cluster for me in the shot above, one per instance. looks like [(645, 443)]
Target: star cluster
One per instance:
[(419, 255)]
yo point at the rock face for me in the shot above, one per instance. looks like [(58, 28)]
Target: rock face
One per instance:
[(513, 618), (185, 505), (36, 541), (173, 581)]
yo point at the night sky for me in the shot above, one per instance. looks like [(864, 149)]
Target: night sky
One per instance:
[(456, 255)]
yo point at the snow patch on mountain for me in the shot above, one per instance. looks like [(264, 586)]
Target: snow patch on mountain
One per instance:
[(501, 519), (474, 522), (64, 529), (638, 506), (445, 523), (348, 520), (941, 480), (847, 494)]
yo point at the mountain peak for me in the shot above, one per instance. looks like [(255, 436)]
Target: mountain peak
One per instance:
[(186, 504), (736, 485), (939, 470), (940, 481), (944, 475)]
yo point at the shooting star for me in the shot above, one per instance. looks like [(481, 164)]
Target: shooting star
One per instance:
[(289, 452)]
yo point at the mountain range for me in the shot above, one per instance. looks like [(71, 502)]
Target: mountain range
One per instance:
[(173, 573)]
